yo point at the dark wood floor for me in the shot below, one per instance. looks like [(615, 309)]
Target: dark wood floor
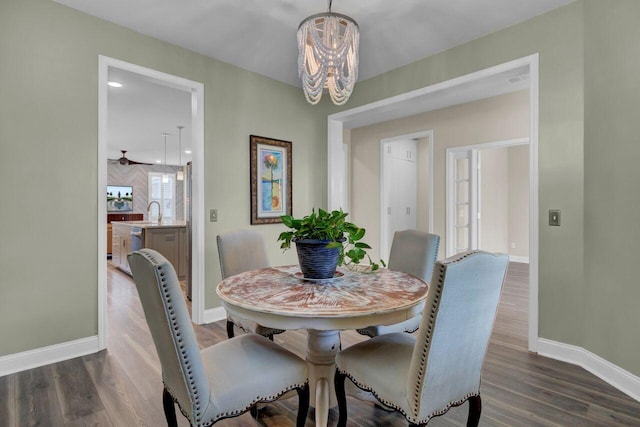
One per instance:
[(122, 386)]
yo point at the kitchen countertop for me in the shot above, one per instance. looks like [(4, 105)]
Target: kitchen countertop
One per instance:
[(153, 224)]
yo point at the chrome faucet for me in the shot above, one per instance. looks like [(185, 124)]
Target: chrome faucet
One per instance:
[(159, 210)]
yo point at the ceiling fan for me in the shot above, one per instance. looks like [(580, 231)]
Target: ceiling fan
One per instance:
[(126, 162)]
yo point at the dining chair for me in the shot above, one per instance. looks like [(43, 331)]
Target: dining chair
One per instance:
[(217, 382), (413, 252), (422, 376), (240, 251)]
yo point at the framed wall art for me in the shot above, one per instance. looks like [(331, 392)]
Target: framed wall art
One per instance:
[(270, 179), (119, 198)]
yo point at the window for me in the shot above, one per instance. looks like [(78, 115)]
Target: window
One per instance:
[(163, 193)]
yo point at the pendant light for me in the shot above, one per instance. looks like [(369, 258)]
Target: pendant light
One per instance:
[(328, 56), (180, 173), (165, 177)]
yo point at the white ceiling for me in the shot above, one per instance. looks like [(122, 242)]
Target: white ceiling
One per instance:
[(139, 113), (260, 36)]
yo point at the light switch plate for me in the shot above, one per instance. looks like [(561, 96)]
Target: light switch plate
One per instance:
[(213, 215), (554, 217)]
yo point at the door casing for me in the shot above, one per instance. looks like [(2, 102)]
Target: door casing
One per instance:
[(197, 122), (389, 108)]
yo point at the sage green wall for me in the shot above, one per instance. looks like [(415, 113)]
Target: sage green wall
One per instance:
[(48, 160), (48, 114), (588, 151), (612, 174), (558, 38)]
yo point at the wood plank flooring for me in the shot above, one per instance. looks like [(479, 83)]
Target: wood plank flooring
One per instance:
[(121, 387)]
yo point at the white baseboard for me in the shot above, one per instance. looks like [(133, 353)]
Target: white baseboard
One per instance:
[(616, 376), (46, 355), (514, 258), (214, 314)]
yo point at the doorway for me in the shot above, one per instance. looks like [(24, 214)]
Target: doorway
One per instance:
[(424, 99), (485, 186), (196, 91), (406, 186)]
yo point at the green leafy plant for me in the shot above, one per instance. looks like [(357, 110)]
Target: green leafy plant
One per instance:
[(332, 226)]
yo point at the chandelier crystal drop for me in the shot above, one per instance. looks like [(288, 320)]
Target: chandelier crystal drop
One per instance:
[(328, 56)]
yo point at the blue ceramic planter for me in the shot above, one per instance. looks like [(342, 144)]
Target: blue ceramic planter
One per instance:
[(316, 260)]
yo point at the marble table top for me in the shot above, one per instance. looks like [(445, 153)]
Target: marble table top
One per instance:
[(283, 291)]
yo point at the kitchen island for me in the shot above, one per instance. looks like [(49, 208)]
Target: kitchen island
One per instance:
[(167, 237)]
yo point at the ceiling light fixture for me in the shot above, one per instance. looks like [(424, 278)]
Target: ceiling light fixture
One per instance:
[(180, 173), (187, 151), (328, 56), (114, 84)]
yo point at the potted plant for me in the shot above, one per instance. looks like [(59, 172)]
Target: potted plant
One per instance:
[(325, 240)]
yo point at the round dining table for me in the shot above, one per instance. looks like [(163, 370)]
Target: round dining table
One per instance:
[(279, 297)]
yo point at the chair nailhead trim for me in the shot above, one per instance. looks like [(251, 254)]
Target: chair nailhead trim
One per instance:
[(426, 348), (195, 415), (409, 417)]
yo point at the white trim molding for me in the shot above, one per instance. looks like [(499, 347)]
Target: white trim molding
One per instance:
[(618, 377), (196, 89), (379, 110), (42, 356), (515, 258), (214, 314)]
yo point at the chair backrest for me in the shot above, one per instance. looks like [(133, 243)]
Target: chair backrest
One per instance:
[(414, 252), (454, 331), (166, 311), (240, 251)]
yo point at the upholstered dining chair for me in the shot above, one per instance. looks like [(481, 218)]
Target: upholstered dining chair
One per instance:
[(221, 381), (413, 252), (423, 376), (240, 251)]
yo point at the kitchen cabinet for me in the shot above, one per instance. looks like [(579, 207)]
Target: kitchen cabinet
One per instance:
[(121, 246), (168, 239), (109, 238), (115, 217), (171, 243)]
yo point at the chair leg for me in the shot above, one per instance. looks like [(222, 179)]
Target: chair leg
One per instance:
[(254, 411), (341, 397), (303, 405), (475, 408), (230, 333), (169, 409)]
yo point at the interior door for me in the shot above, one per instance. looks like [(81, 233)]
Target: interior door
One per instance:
[(399, 190), (462, 200)]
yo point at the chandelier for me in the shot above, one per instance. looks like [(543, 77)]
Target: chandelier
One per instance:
[(328, 56)]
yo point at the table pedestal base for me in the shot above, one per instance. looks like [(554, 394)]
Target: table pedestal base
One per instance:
[(322, 347)]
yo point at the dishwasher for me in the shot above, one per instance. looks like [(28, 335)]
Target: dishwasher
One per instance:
[(137, 239)]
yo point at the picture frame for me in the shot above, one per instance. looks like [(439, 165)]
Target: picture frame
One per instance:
[(270, 177), (119, 198)]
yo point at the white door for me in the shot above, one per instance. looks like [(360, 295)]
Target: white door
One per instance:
[(462, 200), (399, 190)]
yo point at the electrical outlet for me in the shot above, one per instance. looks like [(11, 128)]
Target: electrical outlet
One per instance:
[(213, 215), (554, 217), (513, 245)]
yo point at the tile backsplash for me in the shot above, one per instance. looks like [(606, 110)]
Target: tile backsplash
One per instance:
[(137, 176)]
